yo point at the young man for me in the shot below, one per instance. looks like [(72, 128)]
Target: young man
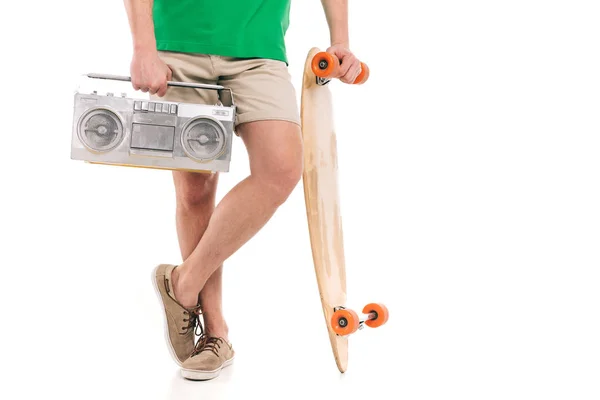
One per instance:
[(238, 44)]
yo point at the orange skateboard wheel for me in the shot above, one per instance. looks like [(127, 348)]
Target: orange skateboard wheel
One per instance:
[(325, 65), (364, 74), (344, 322), (378, 314)]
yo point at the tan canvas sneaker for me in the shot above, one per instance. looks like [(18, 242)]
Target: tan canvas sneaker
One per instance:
[(180, 322), (209, 358)]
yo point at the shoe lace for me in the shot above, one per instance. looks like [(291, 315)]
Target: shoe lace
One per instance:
[(191, 316), (212, 344)]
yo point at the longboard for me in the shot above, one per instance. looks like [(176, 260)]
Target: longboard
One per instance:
[(321, 194)]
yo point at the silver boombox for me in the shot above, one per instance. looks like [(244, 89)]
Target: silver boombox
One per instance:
[(120, 130)]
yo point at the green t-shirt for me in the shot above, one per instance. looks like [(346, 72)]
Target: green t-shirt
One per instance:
[(231, 28)]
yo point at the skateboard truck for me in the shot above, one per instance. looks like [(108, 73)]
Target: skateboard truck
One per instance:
[(345, 321), (322, 81), (326, 66)]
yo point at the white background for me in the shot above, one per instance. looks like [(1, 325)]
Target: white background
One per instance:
[(469, 183)]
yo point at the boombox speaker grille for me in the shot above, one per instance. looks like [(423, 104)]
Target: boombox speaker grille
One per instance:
[(203, 139), (100, 130)]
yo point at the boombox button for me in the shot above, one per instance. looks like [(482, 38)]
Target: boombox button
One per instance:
[(144, 106), (137, 106), (165, 108), (151, 107), (173, 108)]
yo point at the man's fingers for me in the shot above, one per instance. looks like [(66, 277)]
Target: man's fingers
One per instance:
[(344, 67), (135, 83), (344, 58), (356, 71), (345, 64), (352, 64), (352, 73), (162, 91), (152, 81), (155, 86)]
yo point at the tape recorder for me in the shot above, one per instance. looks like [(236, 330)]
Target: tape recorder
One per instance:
[(120, 130)]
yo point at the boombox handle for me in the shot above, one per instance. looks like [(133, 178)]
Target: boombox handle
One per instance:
[(228, 102)]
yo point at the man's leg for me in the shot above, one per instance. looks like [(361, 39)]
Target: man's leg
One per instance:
[(195, 202), (195, 196), (275, 153)]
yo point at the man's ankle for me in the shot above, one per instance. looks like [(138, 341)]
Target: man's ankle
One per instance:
[(219, 329), (181, 294)]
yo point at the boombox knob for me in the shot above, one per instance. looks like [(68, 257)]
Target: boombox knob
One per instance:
[(123, 94), (110, 94)]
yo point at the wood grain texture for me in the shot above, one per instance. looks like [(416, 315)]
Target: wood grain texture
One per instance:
[(322, 201)]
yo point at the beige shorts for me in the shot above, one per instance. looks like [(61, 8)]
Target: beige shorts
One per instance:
[(262, 88)]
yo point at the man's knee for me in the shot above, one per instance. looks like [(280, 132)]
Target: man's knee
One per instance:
[(275, 150), (195, 190), (282, 180)]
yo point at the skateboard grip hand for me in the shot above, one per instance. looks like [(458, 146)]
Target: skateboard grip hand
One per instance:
[(326, 65)]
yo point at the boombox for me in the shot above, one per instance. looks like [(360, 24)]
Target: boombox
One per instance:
[(120, 130)]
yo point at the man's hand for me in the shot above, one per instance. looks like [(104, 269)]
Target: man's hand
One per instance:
[(349, 65), (149, 73)]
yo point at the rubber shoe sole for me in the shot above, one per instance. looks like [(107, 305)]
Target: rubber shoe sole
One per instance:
[(196, 375)]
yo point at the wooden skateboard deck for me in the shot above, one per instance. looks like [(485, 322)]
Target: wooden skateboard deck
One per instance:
[(322, 201), (320, 179)]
